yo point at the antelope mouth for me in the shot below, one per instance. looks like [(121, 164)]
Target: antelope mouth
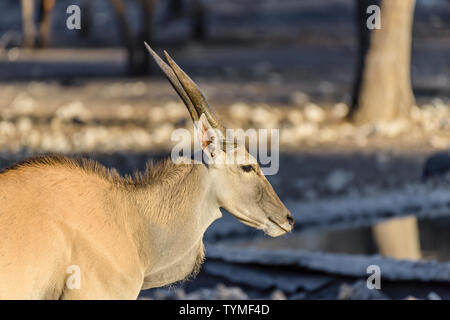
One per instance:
[(270, 227), (248, 221), (285, 227), (251, 223)]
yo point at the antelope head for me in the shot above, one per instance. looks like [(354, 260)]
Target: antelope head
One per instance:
[(240, 186)]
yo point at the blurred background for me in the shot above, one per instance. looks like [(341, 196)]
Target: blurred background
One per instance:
[(364, 123)]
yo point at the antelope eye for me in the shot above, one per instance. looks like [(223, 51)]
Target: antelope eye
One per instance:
[(247, 168)]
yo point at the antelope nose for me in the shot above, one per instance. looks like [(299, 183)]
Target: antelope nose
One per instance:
[(290, 219)]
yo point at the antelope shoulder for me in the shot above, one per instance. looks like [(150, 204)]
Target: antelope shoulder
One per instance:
[(53, 217)]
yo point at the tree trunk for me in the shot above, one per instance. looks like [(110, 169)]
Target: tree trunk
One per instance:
[(28, 25), (175, 9), (363, 47), (198, 23), (385, 90), (45, 21), (398, 238), (125, 33), (382, 91), (86, 21), (138, 57), (146, 34)]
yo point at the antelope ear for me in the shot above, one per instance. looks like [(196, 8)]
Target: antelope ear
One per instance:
[(208, 137)]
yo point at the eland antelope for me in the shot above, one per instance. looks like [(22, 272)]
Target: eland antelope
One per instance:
[(120, 234)]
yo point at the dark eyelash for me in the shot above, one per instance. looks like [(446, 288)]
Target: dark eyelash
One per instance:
[(247, 168)]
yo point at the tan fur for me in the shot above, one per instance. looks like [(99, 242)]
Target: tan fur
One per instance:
[(124, 233), (56, 212)]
